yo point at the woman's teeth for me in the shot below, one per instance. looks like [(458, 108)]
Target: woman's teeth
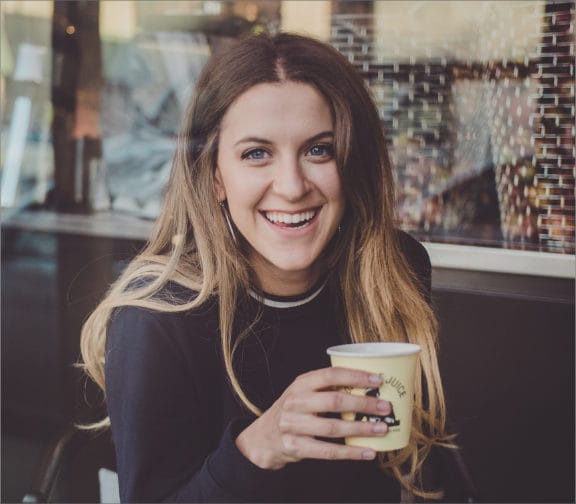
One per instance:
[(292, 220)]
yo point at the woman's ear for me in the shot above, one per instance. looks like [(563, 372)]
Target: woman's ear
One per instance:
[(220, 190)]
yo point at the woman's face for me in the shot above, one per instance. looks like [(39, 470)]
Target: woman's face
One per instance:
[(277, 171)]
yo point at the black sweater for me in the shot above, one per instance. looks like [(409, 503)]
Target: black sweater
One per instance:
[(175, 418)]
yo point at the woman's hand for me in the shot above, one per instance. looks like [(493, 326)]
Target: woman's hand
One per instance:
[(287, 431)]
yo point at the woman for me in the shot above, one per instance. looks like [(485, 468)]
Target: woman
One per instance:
[(276, 241)]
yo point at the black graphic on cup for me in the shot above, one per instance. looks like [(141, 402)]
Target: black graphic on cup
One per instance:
[(389, 419)]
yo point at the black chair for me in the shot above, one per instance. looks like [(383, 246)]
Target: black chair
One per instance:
[(70, 466), (450, 470)]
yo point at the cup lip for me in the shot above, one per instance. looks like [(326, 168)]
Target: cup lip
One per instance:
[(374, 349)]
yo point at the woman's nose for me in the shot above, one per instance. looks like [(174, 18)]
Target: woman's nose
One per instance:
[(290, 181)]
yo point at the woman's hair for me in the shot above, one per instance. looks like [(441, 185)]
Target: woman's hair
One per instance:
[(191, 244)]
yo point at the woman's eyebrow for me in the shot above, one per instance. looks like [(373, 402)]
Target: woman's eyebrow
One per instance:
[(253, 139), (324, 134)]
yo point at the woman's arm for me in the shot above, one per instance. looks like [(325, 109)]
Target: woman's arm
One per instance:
[(158, 401)]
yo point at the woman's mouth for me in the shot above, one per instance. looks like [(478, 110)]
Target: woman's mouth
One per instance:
[(291, 220)]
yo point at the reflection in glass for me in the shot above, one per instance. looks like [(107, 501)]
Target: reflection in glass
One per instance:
[(477, 101), (26, 149)]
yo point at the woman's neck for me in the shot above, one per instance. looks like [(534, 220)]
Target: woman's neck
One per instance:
[(287, 283)]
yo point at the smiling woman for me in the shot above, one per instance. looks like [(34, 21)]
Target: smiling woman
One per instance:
[(276, 241), (281, 182)]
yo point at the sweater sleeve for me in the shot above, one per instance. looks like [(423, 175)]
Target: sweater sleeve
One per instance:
[(160, 421)]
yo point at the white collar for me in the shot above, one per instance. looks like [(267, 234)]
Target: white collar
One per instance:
[(278, 302)]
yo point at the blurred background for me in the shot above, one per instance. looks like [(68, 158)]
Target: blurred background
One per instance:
[(478, 104)]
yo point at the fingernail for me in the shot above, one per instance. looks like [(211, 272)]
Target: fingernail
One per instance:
[(383, 406), (368, 454), (375, 379), (379, 428)]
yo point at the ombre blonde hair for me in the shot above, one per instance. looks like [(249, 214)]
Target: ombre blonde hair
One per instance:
[(192, 245)]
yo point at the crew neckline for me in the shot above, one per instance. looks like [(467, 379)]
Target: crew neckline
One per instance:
[(284, 302)]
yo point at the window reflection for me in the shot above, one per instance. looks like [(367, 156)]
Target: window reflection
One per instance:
[(25, 146), (477, 99)]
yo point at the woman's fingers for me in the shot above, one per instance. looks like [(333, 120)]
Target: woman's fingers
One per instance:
[(306, 425), (336, 402), (301, 447), (336, 377)]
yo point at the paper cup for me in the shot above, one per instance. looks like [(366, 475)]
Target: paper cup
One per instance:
[(396, 363)]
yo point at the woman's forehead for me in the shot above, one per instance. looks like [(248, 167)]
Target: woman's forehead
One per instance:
[(272, 108)]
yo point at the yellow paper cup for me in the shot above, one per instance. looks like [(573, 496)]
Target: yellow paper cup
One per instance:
[(396, 363)]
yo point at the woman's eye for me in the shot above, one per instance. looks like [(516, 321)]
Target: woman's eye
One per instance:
[(321, 150), (254, 154)]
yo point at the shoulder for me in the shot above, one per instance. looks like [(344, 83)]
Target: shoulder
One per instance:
[(143, 332), (152, 352), (418, 260), (136, 334), (171, 291), (415, 253)]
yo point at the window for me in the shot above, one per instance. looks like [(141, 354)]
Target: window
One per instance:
[(477, 101)]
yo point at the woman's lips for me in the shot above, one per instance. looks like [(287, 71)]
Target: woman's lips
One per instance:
[(291, 220)]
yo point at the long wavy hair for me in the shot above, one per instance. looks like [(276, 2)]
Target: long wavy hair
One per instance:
[(191, 243)]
